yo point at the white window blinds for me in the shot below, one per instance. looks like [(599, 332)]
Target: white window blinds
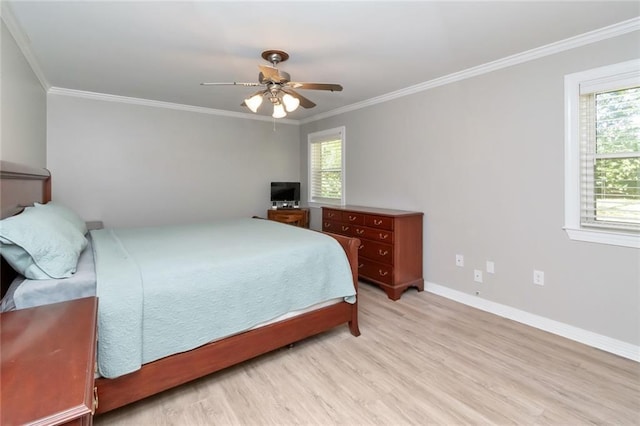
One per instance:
[(602, 154), (610, 157), (326, 166)]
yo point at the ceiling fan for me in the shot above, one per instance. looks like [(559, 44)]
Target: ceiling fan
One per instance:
[(278, 87)]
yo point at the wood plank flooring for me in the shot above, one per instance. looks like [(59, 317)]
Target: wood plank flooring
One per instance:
[(421, 360)]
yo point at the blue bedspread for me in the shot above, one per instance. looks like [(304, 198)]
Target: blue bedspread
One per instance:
[(171, 289)]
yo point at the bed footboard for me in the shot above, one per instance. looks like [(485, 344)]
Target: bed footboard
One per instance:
[(350, 246)]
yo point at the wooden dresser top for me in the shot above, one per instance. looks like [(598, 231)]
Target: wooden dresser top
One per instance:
[(374, 210), (47, 362)]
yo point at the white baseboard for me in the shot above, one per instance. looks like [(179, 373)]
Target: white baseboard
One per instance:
[(589, 338)]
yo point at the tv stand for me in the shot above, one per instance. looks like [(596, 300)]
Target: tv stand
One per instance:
[(294, 216)]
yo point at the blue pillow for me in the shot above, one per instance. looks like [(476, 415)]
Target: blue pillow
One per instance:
[(39, 244), (65, 213)]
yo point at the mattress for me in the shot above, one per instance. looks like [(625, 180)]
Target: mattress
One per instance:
[(166, 290)]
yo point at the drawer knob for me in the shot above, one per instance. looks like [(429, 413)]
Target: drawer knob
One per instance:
[(359, 231), (360, 265), (327, 225), (94, 406), (383, 236), (383, 252), (377, 222), (383, 273), (361, 247), (345, 228), (331, 214), (352, 218)]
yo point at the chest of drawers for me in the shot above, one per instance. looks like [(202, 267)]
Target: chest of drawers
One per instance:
[(390, 252)]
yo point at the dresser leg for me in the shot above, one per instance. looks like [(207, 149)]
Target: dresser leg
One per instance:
[(394, 293)]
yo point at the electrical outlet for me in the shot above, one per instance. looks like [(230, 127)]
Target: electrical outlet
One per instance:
[(477, 275), (490, 267), (459, 260), (538, 277)]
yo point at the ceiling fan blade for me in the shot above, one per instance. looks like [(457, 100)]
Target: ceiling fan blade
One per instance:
[(269, 73), (235, 83), (304, 102), (315, 86), (272, 75)]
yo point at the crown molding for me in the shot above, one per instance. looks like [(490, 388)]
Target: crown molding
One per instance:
[(23, 42), (161, 104), (604, 33)]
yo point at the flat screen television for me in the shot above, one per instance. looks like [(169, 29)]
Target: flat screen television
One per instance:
[(285, 191)]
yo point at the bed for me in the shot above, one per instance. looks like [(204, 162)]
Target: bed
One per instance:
[(22, 186)]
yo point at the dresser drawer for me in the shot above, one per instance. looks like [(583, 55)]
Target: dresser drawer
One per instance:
[(359, 231), (347, 229), (381, 235), (329, 214), (332, 226), (353, 218), (376, 251), (375, 271), (380, 222)]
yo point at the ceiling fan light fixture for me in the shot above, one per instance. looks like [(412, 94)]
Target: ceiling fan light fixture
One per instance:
[(278, 87), (254, 102), (290, 103), (278, 111)]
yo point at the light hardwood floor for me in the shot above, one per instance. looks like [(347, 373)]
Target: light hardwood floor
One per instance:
[(421, 360)]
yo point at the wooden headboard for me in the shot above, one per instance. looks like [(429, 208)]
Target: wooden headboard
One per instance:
[(20, 186)]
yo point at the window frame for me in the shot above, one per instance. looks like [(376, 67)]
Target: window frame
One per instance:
[(615, 74), (317, 137)]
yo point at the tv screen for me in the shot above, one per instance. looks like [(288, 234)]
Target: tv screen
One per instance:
[(285, 191)]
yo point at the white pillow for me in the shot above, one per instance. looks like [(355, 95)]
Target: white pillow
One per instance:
[(39, 244), (66, 213)]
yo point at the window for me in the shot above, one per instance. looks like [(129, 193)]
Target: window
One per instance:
[(602, 155), (326, 166)]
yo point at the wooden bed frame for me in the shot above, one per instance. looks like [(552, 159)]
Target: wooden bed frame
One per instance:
[(21, 186)]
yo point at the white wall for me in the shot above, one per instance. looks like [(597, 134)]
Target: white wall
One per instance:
[(132, 165), (483, 159), (23, 107)]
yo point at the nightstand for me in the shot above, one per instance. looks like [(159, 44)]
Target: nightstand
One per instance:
[(298, 217), (47, 364)]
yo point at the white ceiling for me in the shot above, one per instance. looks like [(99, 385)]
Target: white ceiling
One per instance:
[(161, 50)]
